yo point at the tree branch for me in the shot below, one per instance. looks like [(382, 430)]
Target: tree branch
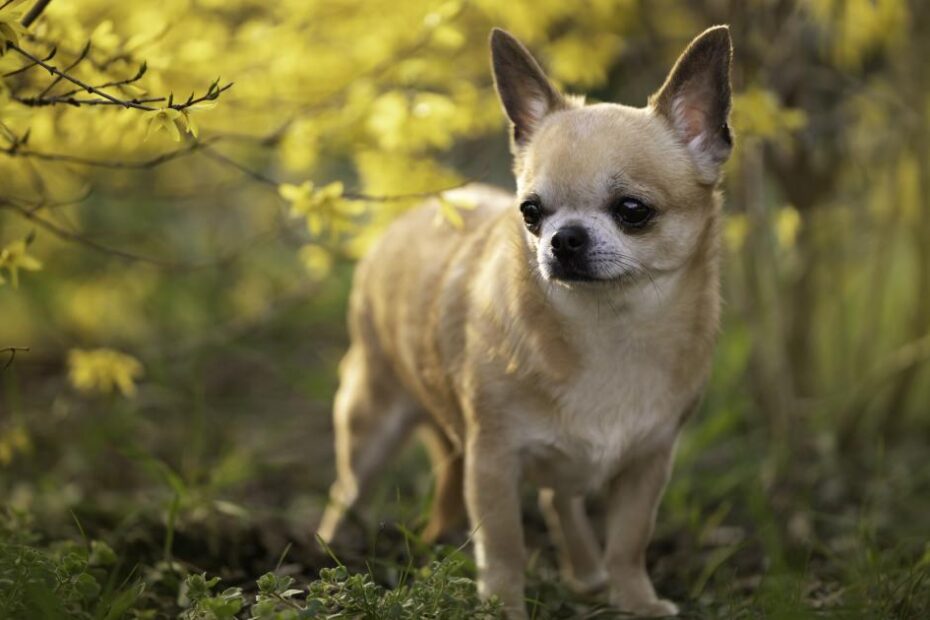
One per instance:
[(66, 235), (58, 72), (213, 92), (12, 351), (77, 61), (34, 12), (30, 65), (15, 151), (35, 102), (215, 155)]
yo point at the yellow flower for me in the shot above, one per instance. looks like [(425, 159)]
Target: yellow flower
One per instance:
[(299, 196), (326, 210), (165, 119), (317, 260), (102, 370), (787, 225), (449, 213), (10, 28), (15, 257), (450, 205), (758, 112), (323, 208), (735, 231), (13, 441), (186, 116)]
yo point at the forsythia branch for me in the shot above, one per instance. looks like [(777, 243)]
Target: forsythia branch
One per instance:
[(87, 87), (34, 12), (12, 351), (16, 150), (32, 215), (80, 58), (213, 92), (266, 180)]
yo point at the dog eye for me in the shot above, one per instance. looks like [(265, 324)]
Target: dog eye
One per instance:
[(531, 213), (632, 213)]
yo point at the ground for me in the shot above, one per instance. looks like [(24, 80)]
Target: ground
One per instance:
[(225, 477)]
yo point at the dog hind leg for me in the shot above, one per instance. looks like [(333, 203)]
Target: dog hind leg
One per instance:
[(580, 559), (372, 416), (448, 509)]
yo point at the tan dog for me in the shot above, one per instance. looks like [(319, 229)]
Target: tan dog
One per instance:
[(564, 336)]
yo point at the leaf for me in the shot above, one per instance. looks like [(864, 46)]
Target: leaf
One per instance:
[(450, 214)]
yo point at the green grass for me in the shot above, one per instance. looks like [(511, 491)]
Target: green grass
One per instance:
[(218, 469), (735, 540)]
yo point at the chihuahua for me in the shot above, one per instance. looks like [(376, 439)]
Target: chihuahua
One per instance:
[(562, 336)]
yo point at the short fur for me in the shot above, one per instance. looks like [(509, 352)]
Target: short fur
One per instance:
[(515, 372)]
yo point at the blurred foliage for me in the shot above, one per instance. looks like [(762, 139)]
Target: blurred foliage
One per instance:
[(184, 186)]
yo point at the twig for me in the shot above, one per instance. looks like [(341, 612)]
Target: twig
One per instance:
[(223, 159), (103, 65), (234, 329), (67, 235), (30, 65), (45, 206), (80, 58), (410, 196), (269, 139), (14, 151), (213, 92), (12, 351), (36, 102), (58, 72), (266, 180), (34, 12), (32, 215), (287, 601), (143, 68), (8, 134)]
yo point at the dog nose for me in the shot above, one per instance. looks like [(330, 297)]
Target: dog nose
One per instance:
[(569, 241)]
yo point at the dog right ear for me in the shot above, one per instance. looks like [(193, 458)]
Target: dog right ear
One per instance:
[(525, 92)]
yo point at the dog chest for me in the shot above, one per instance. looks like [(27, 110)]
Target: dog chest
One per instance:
[(622, 401)]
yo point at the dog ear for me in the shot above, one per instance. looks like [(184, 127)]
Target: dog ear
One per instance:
[(695, 99), (525, 92)]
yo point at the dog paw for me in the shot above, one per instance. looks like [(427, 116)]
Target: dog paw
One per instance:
[(590, 583), (661, 608), (658, 608)]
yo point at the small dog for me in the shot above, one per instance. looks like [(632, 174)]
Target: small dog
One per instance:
[(564, 336)]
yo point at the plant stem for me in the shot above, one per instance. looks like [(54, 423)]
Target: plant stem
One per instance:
[(34, 12)]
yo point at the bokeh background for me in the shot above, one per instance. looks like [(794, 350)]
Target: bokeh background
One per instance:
[(177, 265)]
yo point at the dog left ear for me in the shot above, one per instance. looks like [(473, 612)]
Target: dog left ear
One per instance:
[(695, 99)]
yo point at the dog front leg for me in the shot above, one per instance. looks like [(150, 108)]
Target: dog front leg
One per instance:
[(492, 476), (633, 502)]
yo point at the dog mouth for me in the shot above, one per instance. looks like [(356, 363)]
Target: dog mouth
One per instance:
[(573, 272), (582, 273)]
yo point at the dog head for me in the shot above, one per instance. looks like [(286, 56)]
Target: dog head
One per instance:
[(609, 192)]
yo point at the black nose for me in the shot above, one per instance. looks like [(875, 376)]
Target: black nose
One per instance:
[(569, 242)]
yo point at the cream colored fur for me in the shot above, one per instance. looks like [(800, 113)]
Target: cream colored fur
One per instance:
[(576, 387)]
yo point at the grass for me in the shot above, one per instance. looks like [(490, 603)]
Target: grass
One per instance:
[(135, 508), (727, 547)]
